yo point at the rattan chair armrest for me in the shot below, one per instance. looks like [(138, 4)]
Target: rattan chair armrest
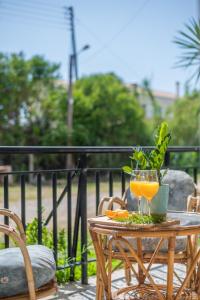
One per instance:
[(101, 205), (116, 200), (193, 203), (16, 219), (110, 201), (196, 190), (125, 195), (8, 230)]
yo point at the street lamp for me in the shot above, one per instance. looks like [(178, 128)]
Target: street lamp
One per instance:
[(84, 48), (70, 101)]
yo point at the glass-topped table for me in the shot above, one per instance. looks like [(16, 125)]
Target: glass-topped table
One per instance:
[(139, 246)]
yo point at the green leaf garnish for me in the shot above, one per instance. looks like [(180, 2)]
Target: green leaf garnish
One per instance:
[(134, 218)]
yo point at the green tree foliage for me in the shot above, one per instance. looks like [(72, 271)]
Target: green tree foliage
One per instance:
[(184, 120), (106, 113), (34, 107), (28, 97)]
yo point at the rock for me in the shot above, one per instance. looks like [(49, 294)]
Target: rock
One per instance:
[(181, 185)]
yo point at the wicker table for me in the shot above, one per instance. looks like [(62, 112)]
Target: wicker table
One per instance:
[(112, 239)]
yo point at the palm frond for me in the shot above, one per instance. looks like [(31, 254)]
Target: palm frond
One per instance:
[(189, 42)]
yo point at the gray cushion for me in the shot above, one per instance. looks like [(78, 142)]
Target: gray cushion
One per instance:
[(149, 244), (12, 271), (186, 218)]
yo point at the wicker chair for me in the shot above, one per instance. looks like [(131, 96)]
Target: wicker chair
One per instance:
[(182, 257), (19, 238)]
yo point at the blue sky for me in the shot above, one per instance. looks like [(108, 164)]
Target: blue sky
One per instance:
[(132, 38)]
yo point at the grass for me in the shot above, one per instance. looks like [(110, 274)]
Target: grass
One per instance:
[(31, 190)]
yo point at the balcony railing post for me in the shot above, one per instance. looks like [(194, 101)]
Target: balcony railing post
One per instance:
[(195, 174), (23, 200), (167, 159), (54, 198), (123, 182), (39, 207), (69, 215), (75, 231), (97, 184), (6, 205), (83, 212)]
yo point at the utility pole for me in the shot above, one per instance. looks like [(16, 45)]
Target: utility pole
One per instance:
[(73, 39), (73, 69), (70, 105), (72, 65), (198, 10)]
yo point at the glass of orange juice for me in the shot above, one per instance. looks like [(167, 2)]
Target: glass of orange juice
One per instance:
[(135, 187), (149, 185)]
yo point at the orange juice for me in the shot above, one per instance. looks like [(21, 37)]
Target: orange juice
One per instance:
[(149, 189), (135, 187)]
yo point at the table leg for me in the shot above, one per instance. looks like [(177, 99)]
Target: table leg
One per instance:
[(170, 268), (99, 284), (139, 251), (101, 266)]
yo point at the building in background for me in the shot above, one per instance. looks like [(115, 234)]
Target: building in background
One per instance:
[(148, 100)]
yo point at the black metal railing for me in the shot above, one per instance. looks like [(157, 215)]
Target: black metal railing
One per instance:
[(76, 224)]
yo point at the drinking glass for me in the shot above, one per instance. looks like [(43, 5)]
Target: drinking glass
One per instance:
[(149, 186), (135, 187)]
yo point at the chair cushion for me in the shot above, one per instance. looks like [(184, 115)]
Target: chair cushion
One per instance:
[(149, 244), (13, 279)]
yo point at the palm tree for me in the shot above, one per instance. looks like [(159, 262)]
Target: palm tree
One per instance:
[(189, 42)]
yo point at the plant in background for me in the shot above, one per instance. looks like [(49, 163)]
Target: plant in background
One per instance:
[(154, 159)]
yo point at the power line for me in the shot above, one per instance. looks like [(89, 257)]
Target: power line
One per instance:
[(107, 48), (33, 18), (29, 9), (122, 29), (37, 4), (119, 58), (26, 13), (29, 22)]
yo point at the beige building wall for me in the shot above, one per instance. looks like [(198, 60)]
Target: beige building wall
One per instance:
[(163, 99)]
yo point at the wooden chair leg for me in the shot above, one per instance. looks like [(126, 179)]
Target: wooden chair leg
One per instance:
[(127, 274), (100, 291), (197, 283), (99, 285), (191, 252)]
